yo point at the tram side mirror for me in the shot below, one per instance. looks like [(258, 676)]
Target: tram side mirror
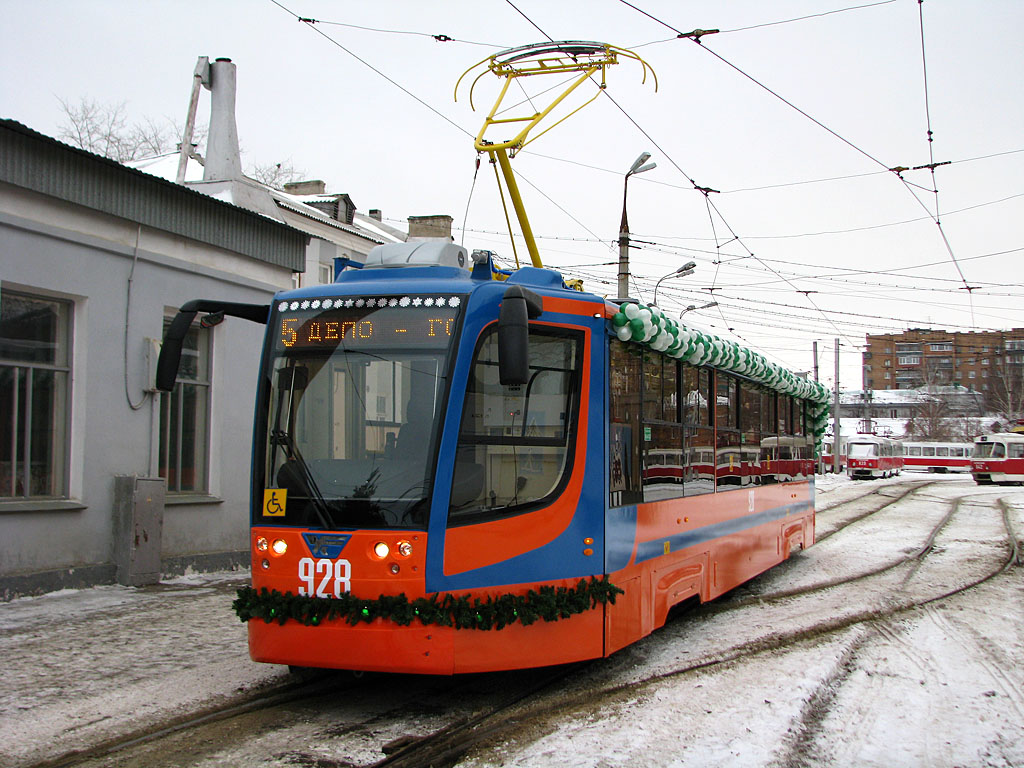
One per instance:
[(170, 351), (518, 306)]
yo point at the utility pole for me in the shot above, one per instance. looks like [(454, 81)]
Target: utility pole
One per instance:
[(835, 418), (815, 353)]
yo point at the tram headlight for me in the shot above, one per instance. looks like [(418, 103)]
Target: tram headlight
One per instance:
[(280, 546), (381, 550), (404, 548), (262, 544)]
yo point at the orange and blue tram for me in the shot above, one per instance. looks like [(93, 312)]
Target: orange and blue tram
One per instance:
[(454, 473)]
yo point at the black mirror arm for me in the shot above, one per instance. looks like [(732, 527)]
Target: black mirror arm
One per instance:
[(170, 351)]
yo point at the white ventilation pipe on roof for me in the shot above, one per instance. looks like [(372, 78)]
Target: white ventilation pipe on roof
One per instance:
[(223, 159)]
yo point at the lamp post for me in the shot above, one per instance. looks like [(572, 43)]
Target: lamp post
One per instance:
[(683, 271), (693, 307), (637, 167)]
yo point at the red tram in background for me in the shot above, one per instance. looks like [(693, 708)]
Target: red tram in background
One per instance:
[(871, 456), (998, 459), (828, 458), (937, 457)]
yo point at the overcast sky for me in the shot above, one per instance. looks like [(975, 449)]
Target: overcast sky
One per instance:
[(808, 237)]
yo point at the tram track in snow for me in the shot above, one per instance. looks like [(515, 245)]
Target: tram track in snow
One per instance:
[(872, 618), (540, 701), (801, 741)]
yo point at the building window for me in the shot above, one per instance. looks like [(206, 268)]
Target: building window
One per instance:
[(326, 274), (35, 354), (184, 418), (970, 374), (945, 346), (910, 361), (1015, 346), (887, 374)]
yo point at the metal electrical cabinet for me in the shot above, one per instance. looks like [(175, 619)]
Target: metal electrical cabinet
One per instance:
[(138, 527)]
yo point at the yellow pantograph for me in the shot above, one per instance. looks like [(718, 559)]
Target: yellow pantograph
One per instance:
[(588, 61)]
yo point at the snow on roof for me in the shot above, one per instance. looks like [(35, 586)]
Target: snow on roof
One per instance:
[(166, 167), (885, 397)]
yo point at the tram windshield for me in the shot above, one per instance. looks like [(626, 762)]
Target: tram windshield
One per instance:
[(353, 399), (862, 450), (989, 451)]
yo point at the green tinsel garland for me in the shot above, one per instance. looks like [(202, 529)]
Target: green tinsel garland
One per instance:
[(446, 610)]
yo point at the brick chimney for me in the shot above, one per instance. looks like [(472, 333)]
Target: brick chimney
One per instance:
[(430, 226)]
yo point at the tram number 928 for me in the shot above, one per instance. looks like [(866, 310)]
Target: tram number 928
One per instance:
[(334, 577)]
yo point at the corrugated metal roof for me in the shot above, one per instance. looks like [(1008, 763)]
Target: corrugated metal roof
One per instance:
[(42, 164)]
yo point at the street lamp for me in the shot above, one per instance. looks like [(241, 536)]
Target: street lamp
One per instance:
[(683, 271), (637, 167), (693, 307)]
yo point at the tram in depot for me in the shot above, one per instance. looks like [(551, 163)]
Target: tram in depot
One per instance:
[(998, 459), (460, 469), (871, 456), (828, 458), (937, 457), (439, 454)]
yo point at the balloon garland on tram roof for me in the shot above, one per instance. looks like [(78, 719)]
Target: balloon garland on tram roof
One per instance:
[(649, 326)]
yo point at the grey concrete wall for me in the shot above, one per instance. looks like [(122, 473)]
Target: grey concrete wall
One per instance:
[(61, 250)]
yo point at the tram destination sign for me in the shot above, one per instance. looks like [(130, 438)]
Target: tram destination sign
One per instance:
[(366, 321)]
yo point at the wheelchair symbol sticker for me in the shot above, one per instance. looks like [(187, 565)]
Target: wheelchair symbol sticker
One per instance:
[(274, 501)]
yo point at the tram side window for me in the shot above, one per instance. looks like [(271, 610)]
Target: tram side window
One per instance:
[(1015, 450), (699, 465), (515, 442), (625, 401), (662, 476), (728, 458), (750, 432)]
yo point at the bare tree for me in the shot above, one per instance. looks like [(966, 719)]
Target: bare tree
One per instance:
[(104, 129), (275, 175)]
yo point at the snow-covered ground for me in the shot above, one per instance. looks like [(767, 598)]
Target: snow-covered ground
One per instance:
[(939, 685)]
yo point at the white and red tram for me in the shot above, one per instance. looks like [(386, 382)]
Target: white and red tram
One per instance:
[(937, 457), (998, 459), (873, 456)]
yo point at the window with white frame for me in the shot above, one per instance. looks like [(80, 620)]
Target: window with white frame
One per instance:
[(184, 418), (35, 374), (326, 274), (910, 360), (945, 346)]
